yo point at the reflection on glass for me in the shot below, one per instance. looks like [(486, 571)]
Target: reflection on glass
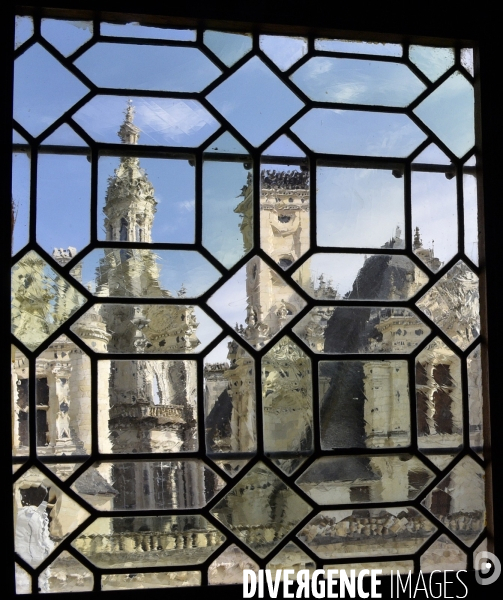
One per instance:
[(261, 510), (19, 402), (146, 328), (135, 30), (434, 218), (229, 47), (359, 207), (357, 47), (433, 62), (439, 398), (129, 272), (147, 406), (354, 330), (65, 574), (226, 144), (443, 555), (41, 300), (227, 210), (43, 89), (367, 532), (471, 217), (148, 485), (43, 516), (458, 501), (162, 121), (63, 470), (229, 401), (20, 200), (354, 81), (467, 60), (287, 401), (355, 132), (66, 36), (365, 478), (364, 404), (449, 112), (63, 400), (475, 400), (291, 557), (283, 146), (360, 277), (258, 301), (177, 68), (432, 155), (284, 213), (282, 50), (64, 136), (112, 542), (166, 579), (453, 304), (23, 580), (63, 189), (261, 103), (23, 31), (228, 567)]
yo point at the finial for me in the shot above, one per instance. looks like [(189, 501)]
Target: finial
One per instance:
[(128, 132)]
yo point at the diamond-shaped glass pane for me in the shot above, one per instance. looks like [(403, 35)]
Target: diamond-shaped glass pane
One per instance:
[(282, 50), (43, 89), (45, 516), (228, 567), (42, 300), (258, 301), (291, 557), (453, 304), (458, 501), (261, 103), (353, 533), (443, 555), (65, 574), (229, 47), (66, 36), (261, 510), (354, 81), (112, 542)]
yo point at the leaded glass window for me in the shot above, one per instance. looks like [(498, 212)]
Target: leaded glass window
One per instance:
[(245, 305)]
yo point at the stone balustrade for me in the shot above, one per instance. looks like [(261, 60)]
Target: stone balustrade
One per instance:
[(169, 413)]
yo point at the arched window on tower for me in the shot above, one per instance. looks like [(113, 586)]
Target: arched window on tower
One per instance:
[(123, 236)]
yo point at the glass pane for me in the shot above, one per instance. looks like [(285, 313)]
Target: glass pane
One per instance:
[(162, 121), (282, 50), (20, 200), (356, 132), (148, 485), (65, 574), (364, 404), (129, 272), (359, 207), (23, 580), (23, 31), (41, 300), (287, 401), (354, 330), (166, 579), (471, 217), (258, 301), (111, 542), (433, 62), (228, 567), (453, 305), (328, 276), (354, 81), (177, 68), (283, 146), (260, 510), (434, 218), (227, 210), (261, 103), (66, 36), (475, 401), (458, 501), (443, 555), (20, 403), (64, 136), (350, 533), (365, 478), (357, 47), (44, 516), (135, 30), (402, 567), (439, 398), (226, 144), (229, 402), (63, 470), (229, 47), (231, 467), (147, 406), (467, 60), (43, 89), (63, 188), (432, 155), (63, 400), (291, 557), (449, 112)]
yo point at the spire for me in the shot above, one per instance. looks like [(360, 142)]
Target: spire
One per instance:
[(128, 132), (417, 239)]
